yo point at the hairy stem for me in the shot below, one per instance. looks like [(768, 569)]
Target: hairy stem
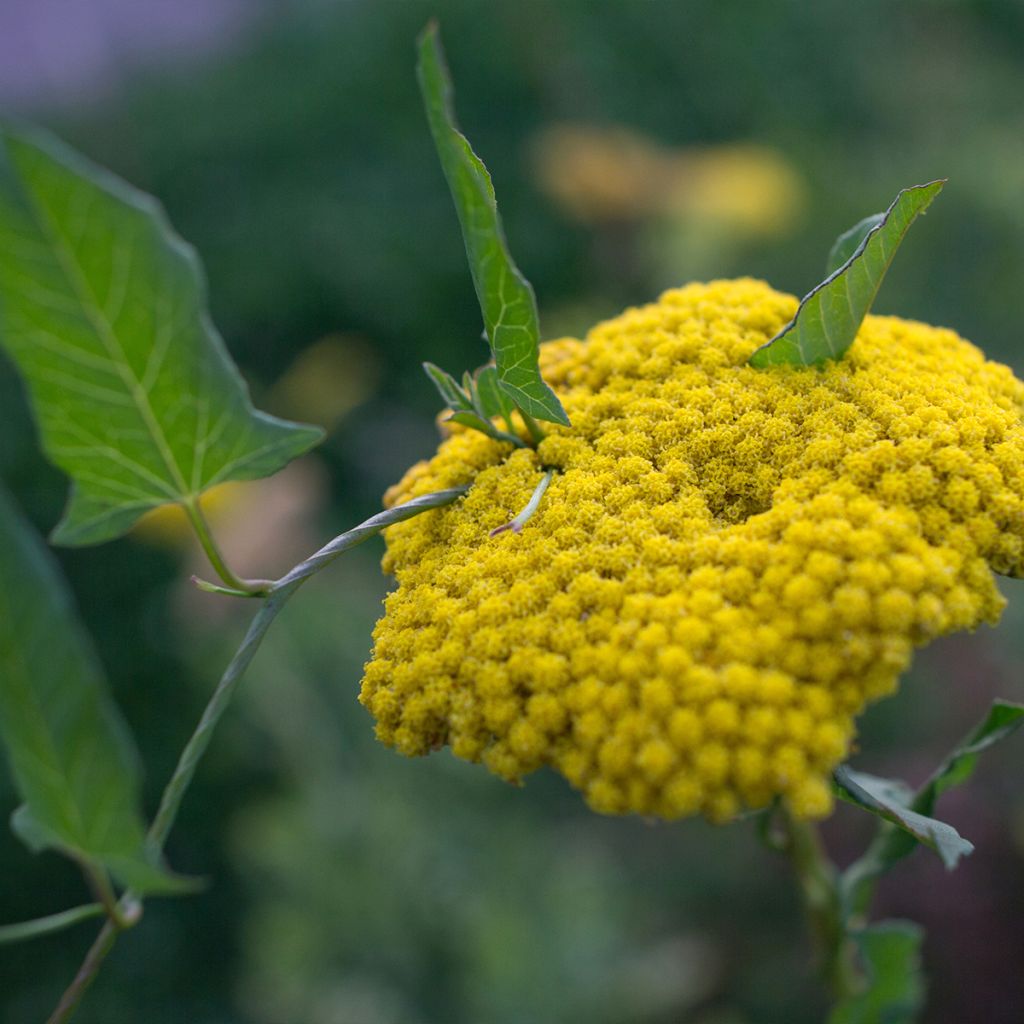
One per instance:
[(819, 886)]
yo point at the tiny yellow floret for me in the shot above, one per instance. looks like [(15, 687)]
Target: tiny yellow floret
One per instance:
[(728, 566)]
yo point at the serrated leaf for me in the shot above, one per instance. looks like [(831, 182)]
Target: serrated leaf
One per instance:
[(449, 389), (491, 400), (850, 241), (877, 796), (891, 953), (71, 758), (828, 318), (103, 310), (506, 299)]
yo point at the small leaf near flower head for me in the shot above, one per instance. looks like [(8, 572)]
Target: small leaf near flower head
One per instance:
[(468, 406), (452, 394), (506, 299), (880, 797), (829, 317), (891, 954)]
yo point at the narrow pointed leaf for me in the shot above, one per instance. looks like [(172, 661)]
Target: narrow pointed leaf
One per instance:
[(506, 299), (877, 796), (829, 317), (893, 842), (71, 758), (894, 994), (103, 310), (449, 389)]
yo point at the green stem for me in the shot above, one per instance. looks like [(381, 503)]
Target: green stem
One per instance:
[(819, 886), (129, 908), (536, 434), (40, 926), (213, 554), (74, 993), (99, 881)]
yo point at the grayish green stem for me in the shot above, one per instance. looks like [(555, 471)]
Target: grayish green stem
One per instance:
[(40, 926), (819, 886), (129, 907)]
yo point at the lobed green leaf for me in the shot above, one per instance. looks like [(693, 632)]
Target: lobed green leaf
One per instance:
[(891, 953), (72, 760), (103, 310), (828, 318), (506, 299)]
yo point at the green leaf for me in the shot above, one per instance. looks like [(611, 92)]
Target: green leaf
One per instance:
[(103, 310), (469, 406), (490, 399), (829, 317), (892, 843), (71, 757), (879, 797), (449, 389), (891, 952), (506, 299), (850, 241)]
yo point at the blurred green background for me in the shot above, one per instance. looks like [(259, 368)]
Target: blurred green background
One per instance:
[(634, 145)]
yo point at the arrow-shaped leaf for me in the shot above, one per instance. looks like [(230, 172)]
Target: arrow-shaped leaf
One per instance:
[(103, 310), (829, 317), (506, 299), (70, 754)]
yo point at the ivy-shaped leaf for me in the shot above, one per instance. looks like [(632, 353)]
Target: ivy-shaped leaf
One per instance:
[(103, 310), (829, 317), (880, 797), (894, 994), (71, 757), (506, 299)]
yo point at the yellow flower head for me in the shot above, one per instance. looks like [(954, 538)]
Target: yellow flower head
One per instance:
[(730, 564)]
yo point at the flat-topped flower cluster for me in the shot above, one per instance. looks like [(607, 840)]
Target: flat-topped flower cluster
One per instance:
[(728, 566)]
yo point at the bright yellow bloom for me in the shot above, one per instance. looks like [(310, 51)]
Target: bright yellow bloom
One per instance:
[(730, 565)]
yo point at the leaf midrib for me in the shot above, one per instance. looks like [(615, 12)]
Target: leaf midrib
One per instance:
[(108, 337)]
